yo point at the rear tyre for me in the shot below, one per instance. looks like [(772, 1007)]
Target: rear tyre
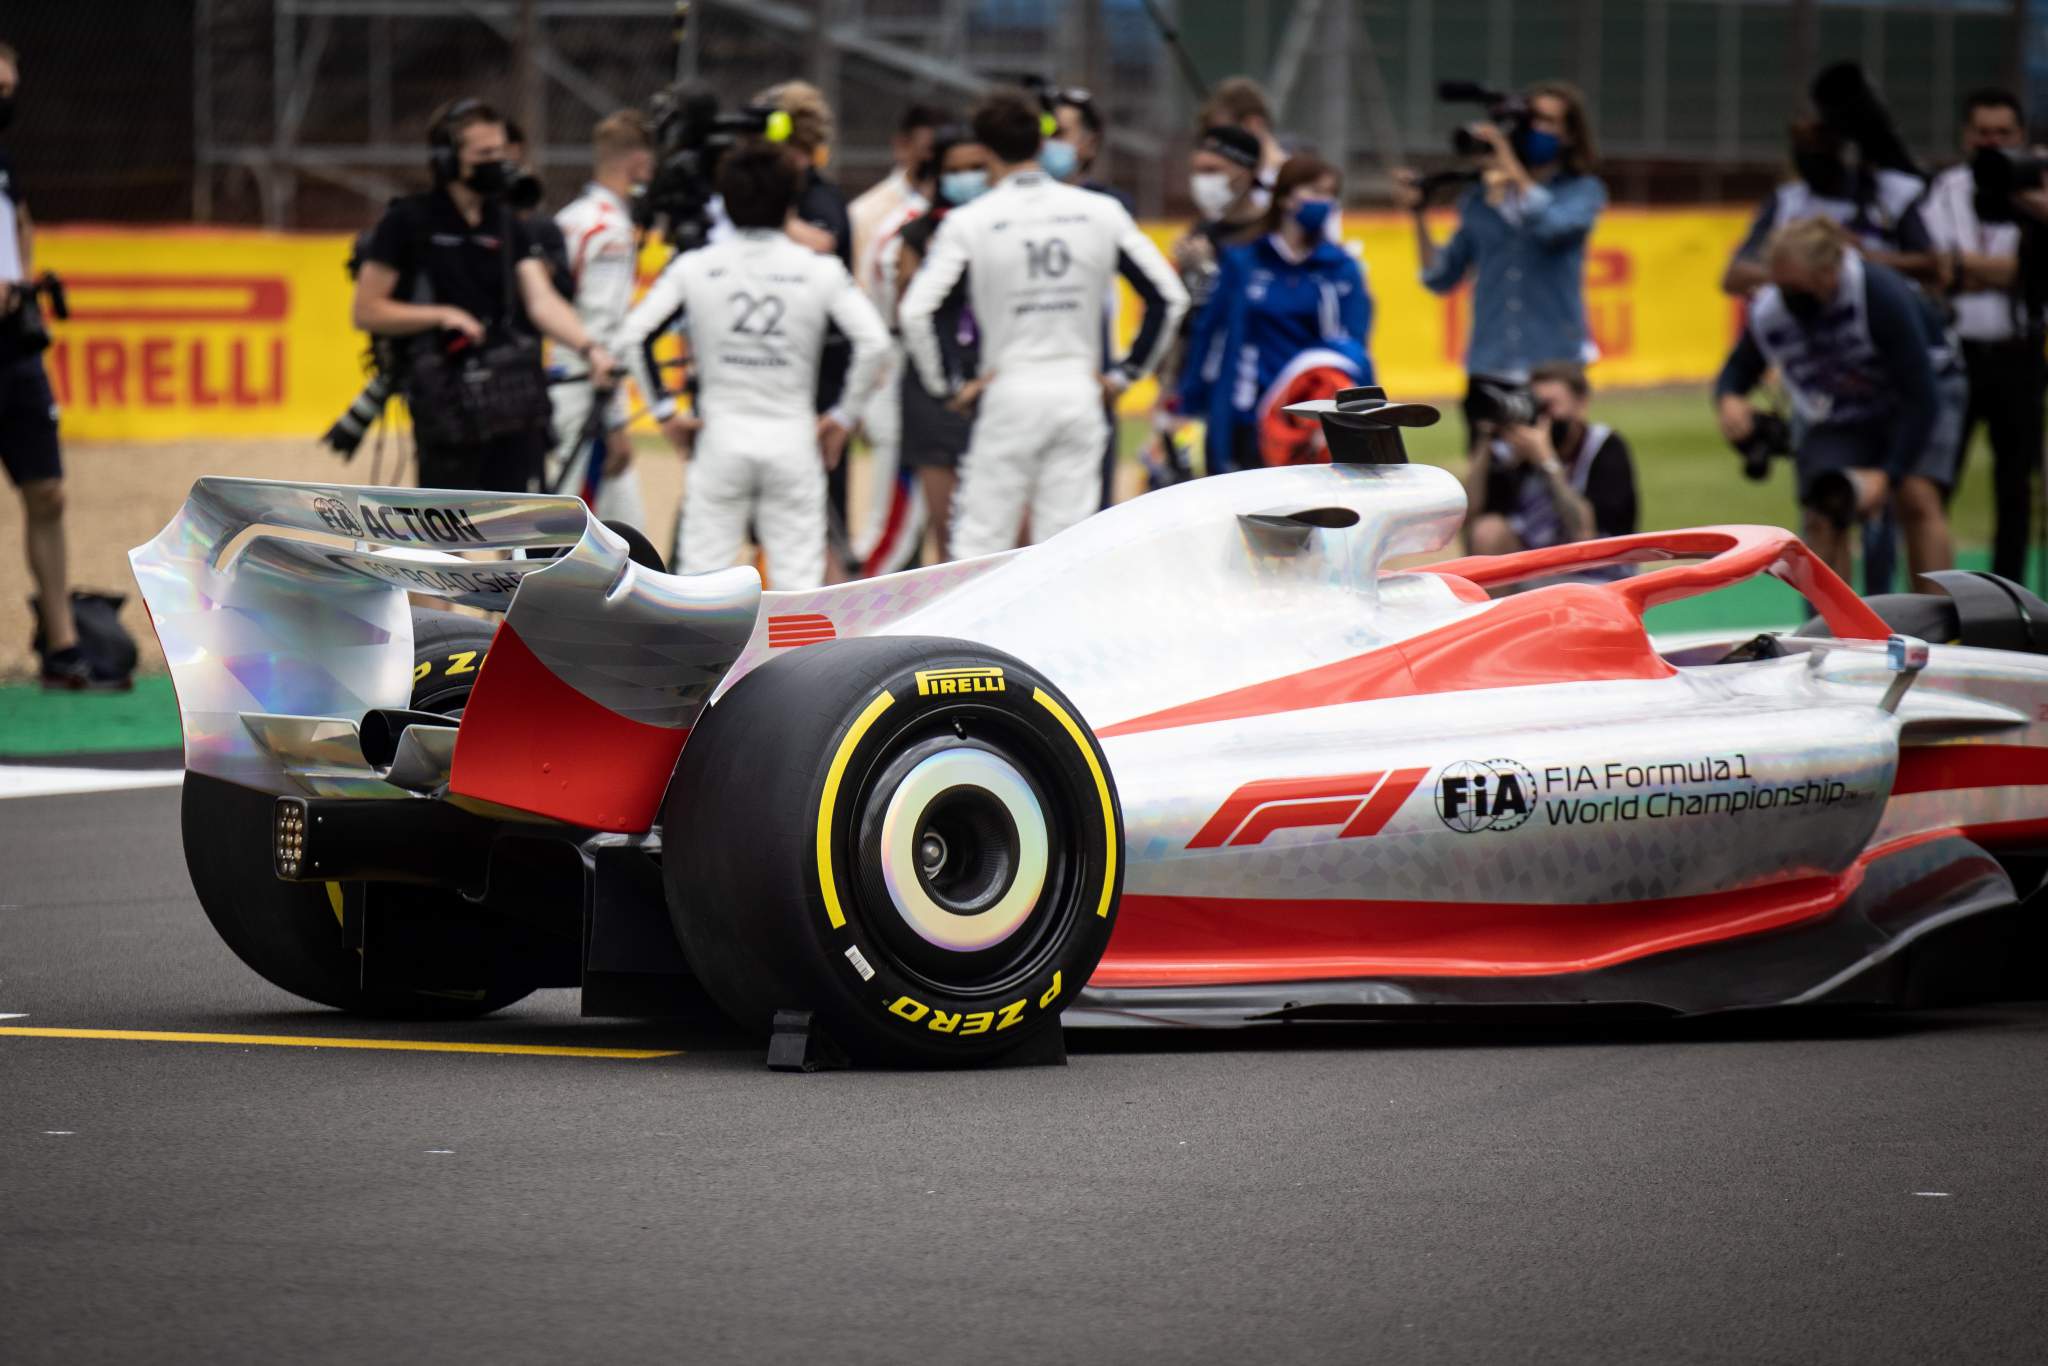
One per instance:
[(292, 933), (915, 839)]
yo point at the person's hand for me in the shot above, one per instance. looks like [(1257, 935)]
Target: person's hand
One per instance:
[(1497, 144), (969, 394), (1737, 418), (1530, 445), (1113, 386), (1407, 190), (604, 370), (832, 438), (681, 430), (455, 319), (618, 452)]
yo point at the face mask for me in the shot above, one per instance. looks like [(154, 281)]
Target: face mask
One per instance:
[(1540, 148), (1560, 433), (1312, 214), (489, 178), (959, 187), (6, 110), (1059, 159), (1803, 306), (1211, 192)]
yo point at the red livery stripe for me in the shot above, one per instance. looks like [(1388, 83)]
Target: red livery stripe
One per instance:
[(1943, 768), (801, 628)]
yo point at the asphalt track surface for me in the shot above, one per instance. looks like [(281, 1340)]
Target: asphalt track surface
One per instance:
[(1760, 1190)]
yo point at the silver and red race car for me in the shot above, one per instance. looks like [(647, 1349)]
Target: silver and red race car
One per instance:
[(1203, 759)]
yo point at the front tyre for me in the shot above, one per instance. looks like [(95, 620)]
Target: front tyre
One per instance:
[(915, 839)]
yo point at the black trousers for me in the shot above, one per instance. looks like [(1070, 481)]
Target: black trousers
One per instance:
[(2008, 381), (508, 464)]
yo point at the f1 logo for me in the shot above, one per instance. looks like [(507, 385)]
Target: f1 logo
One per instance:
[(1361, 803)]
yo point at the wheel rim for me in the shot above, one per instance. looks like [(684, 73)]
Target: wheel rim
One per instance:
[(963, 850)]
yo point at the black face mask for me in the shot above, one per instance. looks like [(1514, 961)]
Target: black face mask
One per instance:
[(489, 178), (1803, 306), (6, 111), (1562, 430)]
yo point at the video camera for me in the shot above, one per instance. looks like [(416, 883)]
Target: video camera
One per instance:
[(691, 135), (1509, 112)]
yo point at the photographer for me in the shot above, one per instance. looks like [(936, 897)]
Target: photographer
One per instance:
[(28, 418), (1522, 233), (603, 269), (755, 308), (2002, 335), (454, 270), (1854, 345), (1557, 478)]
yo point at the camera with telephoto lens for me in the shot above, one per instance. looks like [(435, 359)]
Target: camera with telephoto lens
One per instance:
[(24, 326), (346, 435), (1502, 403), (691, 135), (1769, 436)]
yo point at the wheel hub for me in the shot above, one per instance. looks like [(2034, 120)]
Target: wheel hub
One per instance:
[(964, 850)]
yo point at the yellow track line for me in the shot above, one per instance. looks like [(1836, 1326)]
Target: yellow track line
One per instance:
[(318, 1041)]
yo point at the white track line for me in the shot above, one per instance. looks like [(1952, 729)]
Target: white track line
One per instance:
[(29, 781)]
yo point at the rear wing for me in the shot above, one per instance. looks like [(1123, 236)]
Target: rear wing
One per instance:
[(284, 615)]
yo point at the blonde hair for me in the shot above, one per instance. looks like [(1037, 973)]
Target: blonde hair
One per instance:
[(810, 118), (621, 133), (1812, 244)]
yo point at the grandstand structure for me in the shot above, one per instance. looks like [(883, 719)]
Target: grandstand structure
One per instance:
[(309, 113)]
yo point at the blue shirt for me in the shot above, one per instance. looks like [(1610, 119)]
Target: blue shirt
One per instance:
[(1529, 303), (1271, 312)]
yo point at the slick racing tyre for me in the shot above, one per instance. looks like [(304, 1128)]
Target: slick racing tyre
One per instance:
[(914, 839), (293, 933)]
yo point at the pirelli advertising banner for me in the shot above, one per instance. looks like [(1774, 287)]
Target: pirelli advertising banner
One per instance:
[(182, 333)]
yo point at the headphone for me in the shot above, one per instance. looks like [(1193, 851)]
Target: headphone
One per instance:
[(444, 159)]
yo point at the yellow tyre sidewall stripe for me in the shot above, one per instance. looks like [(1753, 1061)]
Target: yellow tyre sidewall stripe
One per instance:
[(1109, 849), (828, 801)]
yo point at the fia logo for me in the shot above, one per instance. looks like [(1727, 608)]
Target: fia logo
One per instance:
[(1484, 794)]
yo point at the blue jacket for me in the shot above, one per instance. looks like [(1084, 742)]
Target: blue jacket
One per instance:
[(1268, 312), (1529, 298)]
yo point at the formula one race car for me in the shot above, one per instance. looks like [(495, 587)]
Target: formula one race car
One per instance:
[(1203, 759)]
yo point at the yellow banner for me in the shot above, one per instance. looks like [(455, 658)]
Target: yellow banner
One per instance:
[(178, 333)]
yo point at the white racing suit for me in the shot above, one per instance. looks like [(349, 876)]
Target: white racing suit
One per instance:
[(603, 255), (1036, 258), (755, 309)]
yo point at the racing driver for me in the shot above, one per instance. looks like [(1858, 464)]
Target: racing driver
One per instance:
[(755, 307), (1038, 258)]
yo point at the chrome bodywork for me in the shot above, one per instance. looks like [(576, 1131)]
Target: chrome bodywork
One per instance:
[(1713, 802)]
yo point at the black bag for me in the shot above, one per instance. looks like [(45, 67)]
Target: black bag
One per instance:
[(484, 393), (478, 397), (102, 639)]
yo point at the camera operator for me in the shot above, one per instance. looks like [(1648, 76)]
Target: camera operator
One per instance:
[(2002, 336), (28, 417), (603, 268), (1555, 479), (1855, 347), (1036, 258), (755, 308), (455, 270), (1522, 232)]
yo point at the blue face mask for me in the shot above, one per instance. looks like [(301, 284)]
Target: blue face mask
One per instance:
[(1540, 148), (1312, 215), (958, 187), (1058, 159)]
